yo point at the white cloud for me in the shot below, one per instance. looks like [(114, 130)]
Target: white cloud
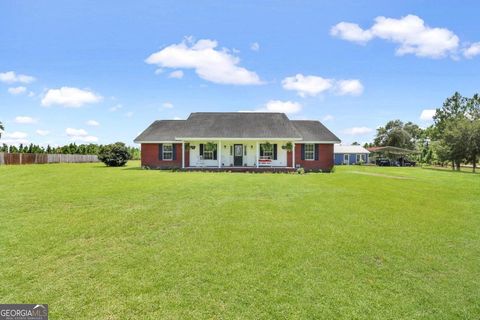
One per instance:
[(92, 123), (472, 51), (129, 114), (87, 139), (278, 106), (69, 97), (214, 65), (427, 114), (42, 132), (358, 130), (15, 141), (307, 85), (283, 106), (16, 135), (410, 32), (349, 87), (17, 90), (115, 108), (255, 46), (71, 132), (177, 74), (351, 32), (328, 117), (159, 71), (177, 118), (25, 120), (314, 85), (12, 77), (167, 105), (80, 135), (15, 138)]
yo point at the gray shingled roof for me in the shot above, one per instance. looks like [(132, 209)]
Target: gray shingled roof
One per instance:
[(255, 125), (239, 125), (312, 130), (162, 130)]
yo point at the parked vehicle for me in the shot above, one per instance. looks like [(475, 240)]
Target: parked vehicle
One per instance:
[(409, 163), (383, 162), (400, 162)]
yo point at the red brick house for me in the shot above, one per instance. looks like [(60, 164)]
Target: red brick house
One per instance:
[(230, 140)]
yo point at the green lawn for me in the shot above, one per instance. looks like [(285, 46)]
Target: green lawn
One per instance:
[(361, 243)]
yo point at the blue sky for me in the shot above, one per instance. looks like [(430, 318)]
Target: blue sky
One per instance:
[(101, 71)]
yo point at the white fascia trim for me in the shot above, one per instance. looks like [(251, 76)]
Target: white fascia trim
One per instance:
[(339, 152), (325, 142), (239, 139), (156, 141)]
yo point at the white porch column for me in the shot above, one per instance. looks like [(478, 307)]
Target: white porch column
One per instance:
[(183, 154), (219, 155), (256, 154), (293, 154)]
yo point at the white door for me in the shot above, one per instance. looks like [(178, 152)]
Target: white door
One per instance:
[(346, 159)]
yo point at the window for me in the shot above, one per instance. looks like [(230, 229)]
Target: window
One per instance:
[(309, 151), (360, 157), (266, 151), (167, 152), (208, 152)]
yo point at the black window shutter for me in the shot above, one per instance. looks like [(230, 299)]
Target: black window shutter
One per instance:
[(174, 151), (201, 149), (245, 150), (303, 152), (317, 151), (215, 153), (261, 150), (160, 152), (275, 151)]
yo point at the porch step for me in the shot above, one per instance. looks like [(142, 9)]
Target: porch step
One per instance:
[(241, 169)]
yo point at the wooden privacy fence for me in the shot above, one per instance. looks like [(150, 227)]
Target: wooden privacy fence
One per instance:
[(39, 158)]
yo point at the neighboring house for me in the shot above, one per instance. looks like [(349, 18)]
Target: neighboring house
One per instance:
[(237, 139), (350, 154)]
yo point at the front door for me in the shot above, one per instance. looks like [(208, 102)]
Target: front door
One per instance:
[(238, 155)]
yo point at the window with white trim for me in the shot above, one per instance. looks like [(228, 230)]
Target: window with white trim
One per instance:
[(266, 151), (167, 151), (309, 151), (208, 151)]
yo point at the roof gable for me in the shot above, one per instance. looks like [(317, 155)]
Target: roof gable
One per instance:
[(237, 125), (314, 131), (162, 130), (349, 149), (257, 125)]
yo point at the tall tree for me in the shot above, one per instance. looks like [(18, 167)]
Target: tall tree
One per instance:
[(398, 134), (457, 127), (453, 108), (1, 128)]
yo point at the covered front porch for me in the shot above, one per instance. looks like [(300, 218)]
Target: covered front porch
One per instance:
[(238, 155)]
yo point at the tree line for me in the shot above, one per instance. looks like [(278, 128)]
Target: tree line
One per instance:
[(453, 138), (71, 148)]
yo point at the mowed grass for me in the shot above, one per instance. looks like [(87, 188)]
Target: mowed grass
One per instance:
[(124, 243)]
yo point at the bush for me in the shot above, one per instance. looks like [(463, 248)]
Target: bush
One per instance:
[(114, 155), (301, 171)]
